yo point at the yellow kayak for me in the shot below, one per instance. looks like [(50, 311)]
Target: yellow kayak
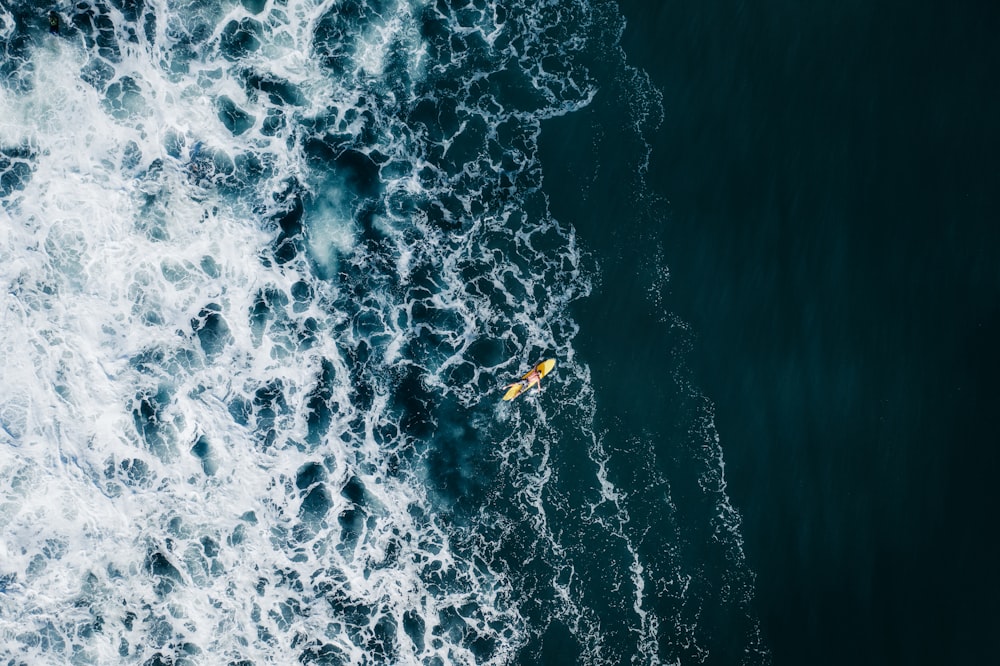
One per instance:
[(543, 368)]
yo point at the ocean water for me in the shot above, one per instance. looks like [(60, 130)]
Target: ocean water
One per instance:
[(832, 231), (266, 267)]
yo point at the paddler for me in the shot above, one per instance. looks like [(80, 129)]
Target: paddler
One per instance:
[(532, 378)]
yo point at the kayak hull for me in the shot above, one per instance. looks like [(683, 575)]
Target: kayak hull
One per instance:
[(543, 368)]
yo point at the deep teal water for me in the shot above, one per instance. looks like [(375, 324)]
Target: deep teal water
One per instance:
[(825, 190), (761, 241)]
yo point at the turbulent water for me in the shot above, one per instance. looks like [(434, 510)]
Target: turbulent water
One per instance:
[(266, 267)]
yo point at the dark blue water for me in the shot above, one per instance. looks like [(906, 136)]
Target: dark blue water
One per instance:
[(267, 265), (825, 190)]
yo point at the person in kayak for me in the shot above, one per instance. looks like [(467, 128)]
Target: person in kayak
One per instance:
[(532, 378)]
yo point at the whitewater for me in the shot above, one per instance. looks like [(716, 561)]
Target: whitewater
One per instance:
[(266, 266)]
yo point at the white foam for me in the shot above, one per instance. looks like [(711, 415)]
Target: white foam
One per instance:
[(106, 265), (150, 473)]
